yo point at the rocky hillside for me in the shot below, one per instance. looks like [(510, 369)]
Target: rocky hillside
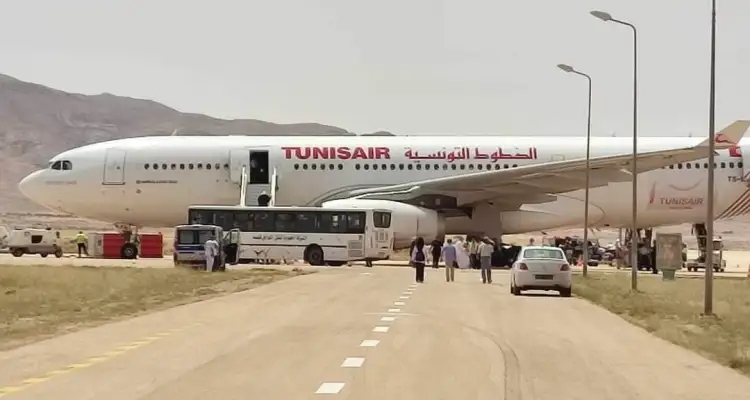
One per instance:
[(37, 122)]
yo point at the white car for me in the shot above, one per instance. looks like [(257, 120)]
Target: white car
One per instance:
[(541, 268)]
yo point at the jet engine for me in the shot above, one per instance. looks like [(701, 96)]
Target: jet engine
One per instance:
[(407, 221)]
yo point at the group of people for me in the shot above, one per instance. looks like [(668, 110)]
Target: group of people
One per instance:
[(449, 254)]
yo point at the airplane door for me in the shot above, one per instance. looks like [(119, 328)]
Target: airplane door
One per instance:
[(237, 159), (114, 167)]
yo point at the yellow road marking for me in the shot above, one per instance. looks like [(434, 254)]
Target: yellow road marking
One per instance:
[(91, 360)]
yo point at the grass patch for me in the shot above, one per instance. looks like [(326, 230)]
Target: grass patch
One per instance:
[(40, 301), (672, 311)]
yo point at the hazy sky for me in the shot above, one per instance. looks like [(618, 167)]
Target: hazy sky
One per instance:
[(407, 66)]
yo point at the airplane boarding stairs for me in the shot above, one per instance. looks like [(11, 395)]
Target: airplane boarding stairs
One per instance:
[(250, 193)]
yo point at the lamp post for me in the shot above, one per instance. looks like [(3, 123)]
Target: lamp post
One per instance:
[(571, 70), (709, 279), (606, 17)]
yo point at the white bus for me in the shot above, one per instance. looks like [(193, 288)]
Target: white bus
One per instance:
[(319, 236)]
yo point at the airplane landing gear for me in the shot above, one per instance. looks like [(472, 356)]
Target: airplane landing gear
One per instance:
[(129, 250)]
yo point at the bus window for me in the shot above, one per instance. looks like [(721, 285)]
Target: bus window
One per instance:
[(223, 219), (382, 219), (305, 222), (192, 236), (332, 223), (201, 217), (263, 221), (284, 222), (240, 221), (355, 222)]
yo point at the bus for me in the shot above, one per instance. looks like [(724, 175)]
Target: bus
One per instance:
[(318, 236)]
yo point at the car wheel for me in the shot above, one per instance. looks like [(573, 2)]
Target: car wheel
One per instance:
[(566, 292), (516, 291)]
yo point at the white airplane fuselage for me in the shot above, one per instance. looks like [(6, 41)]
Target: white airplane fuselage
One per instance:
[(151, 181)]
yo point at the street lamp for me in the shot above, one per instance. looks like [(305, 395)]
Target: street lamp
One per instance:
[(569, 69), (709, 290), (606, 17)]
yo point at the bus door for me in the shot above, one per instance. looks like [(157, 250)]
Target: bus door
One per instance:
[(381, 239), (232, 246)]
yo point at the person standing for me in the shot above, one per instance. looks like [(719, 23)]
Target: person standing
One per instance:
[(436, 250), (485, 260), (449, 258), (418, 258), (211, 250), (81, 240)]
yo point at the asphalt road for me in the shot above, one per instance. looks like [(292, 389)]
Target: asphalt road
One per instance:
[(360, 333)]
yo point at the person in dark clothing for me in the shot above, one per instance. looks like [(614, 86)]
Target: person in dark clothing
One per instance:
[(418, 258), (436, 249)]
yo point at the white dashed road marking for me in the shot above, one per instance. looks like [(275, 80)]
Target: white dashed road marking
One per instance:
[(399, 303), (388, 319), (382, 329), (404, 297), (353, 362), (369, 343), (394, 310), (330, 388)]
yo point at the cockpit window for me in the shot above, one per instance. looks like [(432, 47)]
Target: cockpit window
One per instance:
[(63, 165)]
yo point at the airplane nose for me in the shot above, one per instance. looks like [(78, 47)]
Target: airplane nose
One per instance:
[(31, 185)]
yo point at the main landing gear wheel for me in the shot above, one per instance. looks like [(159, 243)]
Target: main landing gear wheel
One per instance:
[(129, 251)]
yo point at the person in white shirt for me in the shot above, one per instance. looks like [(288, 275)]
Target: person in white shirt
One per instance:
[(449, 257), (212, 251), (485, 259)]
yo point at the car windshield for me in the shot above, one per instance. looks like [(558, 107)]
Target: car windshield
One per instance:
[(553, 253)]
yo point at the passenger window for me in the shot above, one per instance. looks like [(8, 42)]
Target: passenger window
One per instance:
[(155, 166), (332, 223), (217, 166), (671, 167), (453, 167), (190, 166), (382, 219), (322, 166), (263, 221), (723, 164), (208, 166), (419, 167), (374, 166), (296, 166), (314, 166), (200, 166), (355, 222), (284, 222), (146, 166), (367, 166), (479, 166), (331, 167), (164, 166), (341, 166), (463, 166), (679, 166), (385, 166), (304, 166), (305, 222), (401, 166), (226, 166), (688, 165), (393, 167), (515, 165), (731, 165), (357, 167), (223, 219), (410, 167), (182, 166), (173, 166), (505, 166), (471, 166), (739, 165)]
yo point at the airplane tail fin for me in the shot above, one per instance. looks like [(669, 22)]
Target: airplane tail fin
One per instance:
[(729, 136)]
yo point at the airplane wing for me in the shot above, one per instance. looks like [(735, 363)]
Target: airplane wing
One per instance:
[(538, 183)]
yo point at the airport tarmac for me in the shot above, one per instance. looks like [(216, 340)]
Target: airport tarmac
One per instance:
[(734, 259), (361, 333)]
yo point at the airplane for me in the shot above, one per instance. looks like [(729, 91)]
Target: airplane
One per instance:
[(485, 185)]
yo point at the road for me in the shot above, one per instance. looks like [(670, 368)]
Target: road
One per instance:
[(438, 340)]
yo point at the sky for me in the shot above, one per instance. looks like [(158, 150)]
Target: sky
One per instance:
[(409, 67)]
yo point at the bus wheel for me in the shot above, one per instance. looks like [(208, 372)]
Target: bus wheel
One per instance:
[(314, 255), (128, 251)]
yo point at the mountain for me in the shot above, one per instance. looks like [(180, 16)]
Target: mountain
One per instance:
[(37, 122)]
